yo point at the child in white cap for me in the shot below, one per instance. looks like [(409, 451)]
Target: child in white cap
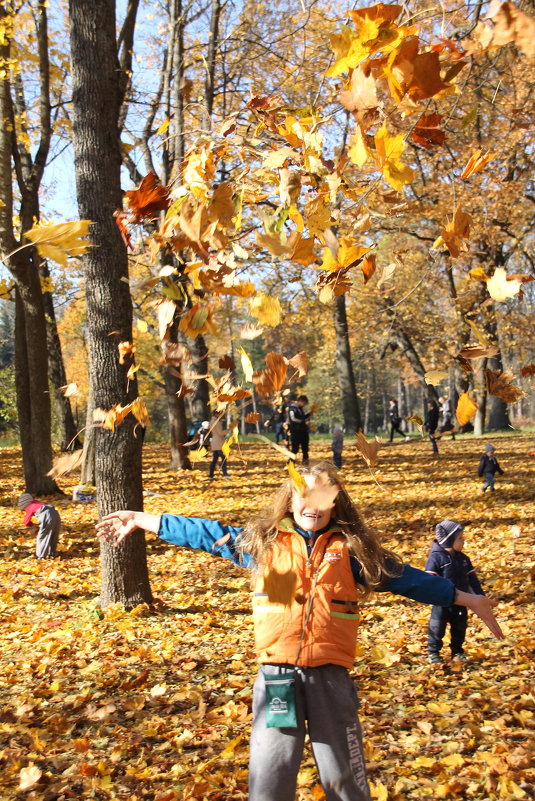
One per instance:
[(49, 524)]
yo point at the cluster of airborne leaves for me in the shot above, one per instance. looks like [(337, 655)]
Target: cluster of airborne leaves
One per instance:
[(157, 704)]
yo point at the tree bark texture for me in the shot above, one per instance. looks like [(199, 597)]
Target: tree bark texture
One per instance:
[(344, 368), (31, 359), (96, 105)]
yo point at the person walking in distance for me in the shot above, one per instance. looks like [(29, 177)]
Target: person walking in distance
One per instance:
[(395, 419), (298, 426)]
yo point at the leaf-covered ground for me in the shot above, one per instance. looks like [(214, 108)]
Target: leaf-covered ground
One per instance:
[(157, 705)]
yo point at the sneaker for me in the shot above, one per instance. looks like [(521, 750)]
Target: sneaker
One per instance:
[(435, 659), (459, 658), (407, 439)]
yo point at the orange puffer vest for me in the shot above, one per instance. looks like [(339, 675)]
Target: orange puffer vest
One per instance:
[(305, 607)]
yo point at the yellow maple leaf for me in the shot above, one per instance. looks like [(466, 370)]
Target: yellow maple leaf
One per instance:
[(466, 409), (388, 150), (347, 256), (61, 240), (500, 288), (266, 309), (230, 441)]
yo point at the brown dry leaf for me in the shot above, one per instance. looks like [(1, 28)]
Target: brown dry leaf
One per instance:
[(331, 285), (173, 353), (466, 409), (227, 362), (111, 418), (454, 235), (368, 450), (528, 371), (272, 378), (505, 23), (478, 351), (252, 417), (500, 384), (149, 198), (299, 361), (427, 132), (66, 464)]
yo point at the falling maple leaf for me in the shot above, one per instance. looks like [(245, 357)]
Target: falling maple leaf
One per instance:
[(368, 450), (299, 361), (501, 286), (266, 309), (198, 320), (500, 384), (298, 482), (388, 150), (466, 409), (454, 235), (148, 199), (227, 362), (528, 371), (368, 267), (478, 351), (347, 255), (434, 377), (247, 367), (476, 163), (65, 464), (360, 97), (61, 240), (272, 378), (253, 417), (331, 285), (427, 132)]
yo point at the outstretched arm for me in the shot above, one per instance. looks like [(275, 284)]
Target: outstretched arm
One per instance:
[(118, 525), (482, 606)]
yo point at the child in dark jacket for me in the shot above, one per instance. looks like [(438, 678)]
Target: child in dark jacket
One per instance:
[(49, 524), (446, 559), (313, 558), (488, 467)]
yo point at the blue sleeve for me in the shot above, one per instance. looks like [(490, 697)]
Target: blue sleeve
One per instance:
[(201, 534), (415, 584), (421, 587)]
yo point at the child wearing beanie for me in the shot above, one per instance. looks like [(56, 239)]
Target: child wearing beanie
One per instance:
[(446, 559), (49, 524), (488, 467)]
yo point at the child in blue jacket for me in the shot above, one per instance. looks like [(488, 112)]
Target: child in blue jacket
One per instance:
[(488, 467), (446, 559), (313, 558)]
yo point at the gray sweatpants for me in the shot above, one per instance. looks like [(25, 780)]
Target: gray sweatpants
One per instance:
[(48, 532), (327, 706)]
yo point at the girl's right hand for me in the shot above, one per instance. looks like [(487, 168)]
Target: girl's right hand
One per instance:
[(117, 525)]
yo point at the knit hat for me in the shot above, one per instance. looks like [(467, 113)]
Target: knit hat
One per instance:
[(25, 500), (446, 532), (489, 448)]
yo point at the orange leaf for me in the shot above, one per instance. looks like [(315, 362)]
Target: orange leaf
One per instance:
[(427, 132), (149, 198), (368, 267), (466, 409), (476, 163)]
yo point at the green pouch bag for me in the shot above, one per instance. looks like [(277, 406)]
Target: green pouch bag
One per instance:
[(280, 701)]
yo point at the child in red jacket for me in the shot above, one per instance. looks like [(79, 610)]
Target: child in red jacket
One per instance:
[(48, 527)]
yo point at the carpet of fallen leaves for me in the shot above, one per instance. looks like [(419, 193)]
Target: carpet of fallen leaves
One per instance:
[(157, 704)]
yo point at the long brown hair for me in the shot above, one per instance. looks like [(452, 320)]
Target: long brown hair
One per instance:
[(261, 532)]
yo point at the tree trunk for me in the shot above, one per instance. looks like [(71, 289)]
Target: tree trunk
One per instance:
[(31, 358), (481, 397), (56, 373), (96, 105), (344, 368)]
